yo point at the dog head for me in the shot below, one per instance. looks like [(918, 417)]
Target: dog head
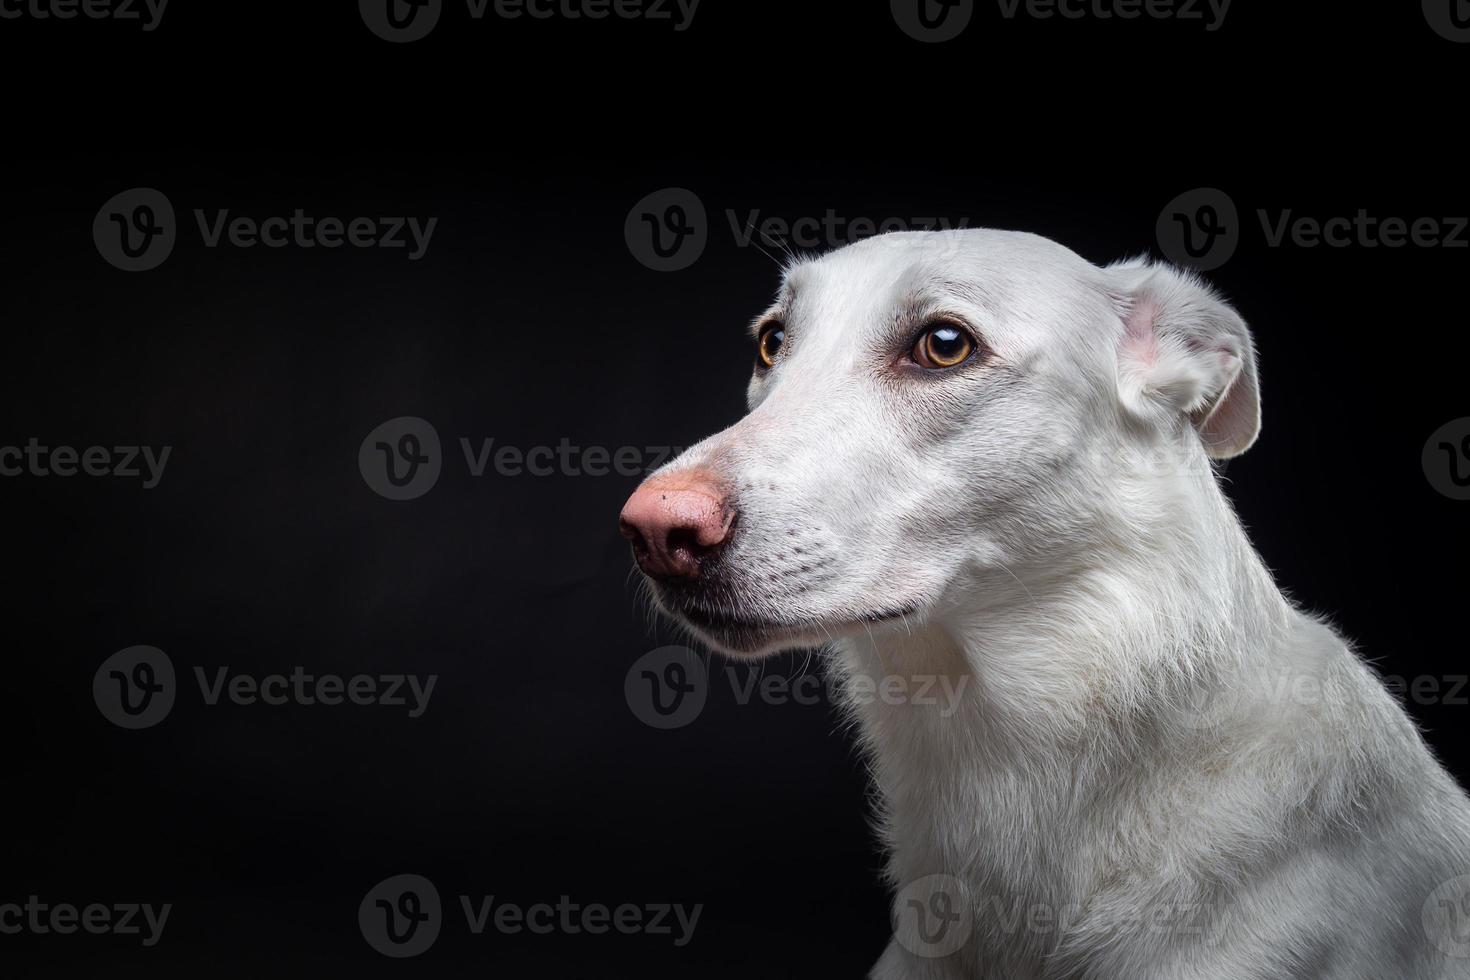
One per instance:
[(930, 410)]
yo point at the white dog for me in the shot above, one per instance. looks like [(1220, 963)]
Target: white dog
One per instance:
[(975, 457)]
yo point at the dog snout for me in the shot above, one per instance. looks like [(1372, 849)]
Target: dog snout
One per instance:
[(677, 522)]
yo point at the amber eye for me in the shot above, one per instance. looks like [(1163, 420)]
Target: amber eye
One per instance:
[(772, 336), (942, 345)]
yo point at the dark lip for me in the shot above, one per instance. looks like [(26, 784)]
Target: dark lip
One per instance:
[(731, 623), (712, 619), (884, 616)]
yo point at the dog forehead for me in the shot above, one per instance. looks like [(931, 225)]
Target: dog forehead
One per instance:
[(984, 268)]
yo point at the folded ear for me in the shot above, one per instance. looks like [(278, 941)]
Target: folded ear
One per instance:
[(1185, 351)]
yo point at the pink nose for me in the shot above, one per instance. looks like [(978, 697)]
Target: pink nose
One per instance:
[(675, 521)]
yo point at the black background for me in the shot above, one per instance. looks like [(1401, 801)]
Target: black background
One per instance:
[(529, 321)]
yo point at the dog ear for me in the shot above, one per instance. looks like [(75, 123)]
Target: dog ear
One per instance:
[(1185, 350)]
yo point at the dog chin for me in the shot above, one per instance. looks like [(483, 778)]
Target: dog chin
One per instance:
[(750, 638), (740, 636)]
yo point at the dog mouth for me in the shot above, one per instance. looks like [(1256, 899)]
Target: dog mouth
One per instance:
[(742, 631), (724, 597)]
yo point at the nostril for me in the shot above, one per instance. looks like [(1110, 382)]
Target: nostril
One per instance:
[(630, 531), (687, 540)]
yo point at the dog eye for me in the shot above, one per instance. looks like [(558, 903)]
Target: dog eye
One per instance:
[(942, 345), (772, 336)]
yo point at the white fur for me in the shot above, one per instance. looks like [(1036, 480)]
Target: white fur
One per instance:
[(1158, 768)]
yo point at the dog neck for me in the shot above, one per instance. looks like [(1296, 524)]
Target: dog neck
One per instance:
[(1049, 681)]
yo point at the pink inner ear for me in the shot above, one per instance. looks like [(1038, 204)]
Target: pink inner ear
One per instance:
[(1235, 420), (1139, 336)]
